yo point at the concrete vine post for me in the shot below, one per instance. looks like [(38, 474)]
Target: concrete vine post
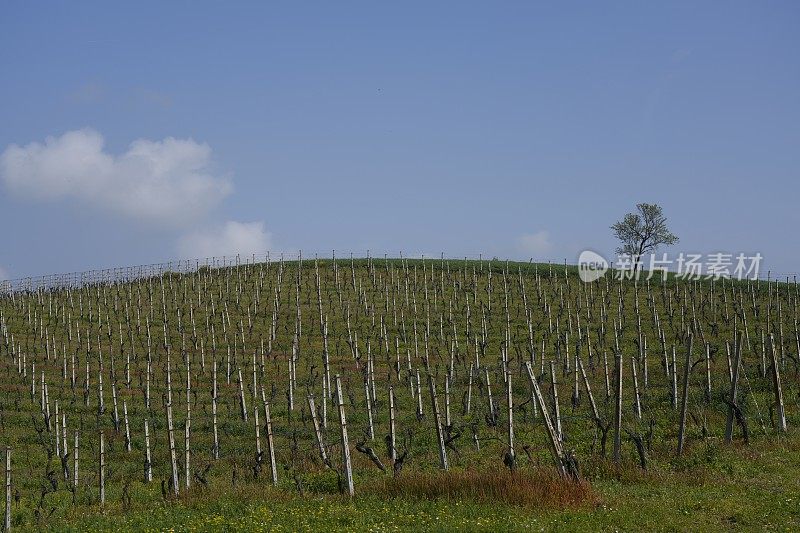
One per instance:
[(371, 427), (637, 404), (556, 410), (188, 427), (172, 451), (438, 423), (127, 426), (317, 431), (553, 440), (618, 407), (7, 516), (687, 368), (510, 401), (148, 464), (270, 444), (348, 467), (392, 436), (75, 466), (214, 399), (734, 386), (776, 383), (102, 473)]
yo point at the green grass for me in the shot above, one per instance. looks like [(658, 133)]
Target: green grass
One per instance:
[(713, 486)]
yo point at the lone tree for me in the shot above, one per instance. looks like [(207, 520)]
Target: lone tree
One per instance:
[(642, 232)]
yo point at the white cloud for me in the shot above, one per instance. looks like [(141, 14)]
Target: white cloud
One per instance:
[(167, 181), (4, 274), (230, 239), (535, 243)]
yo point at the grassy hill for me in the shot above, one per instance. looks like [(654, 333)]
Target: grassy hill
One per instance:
[(109, 357)]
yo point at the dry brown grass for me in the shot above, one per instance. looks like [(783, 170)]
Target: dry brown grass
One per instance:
[(540, 487)]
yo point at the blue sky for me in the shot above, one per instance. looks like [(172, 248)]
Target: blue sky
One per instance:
[(150, 131)]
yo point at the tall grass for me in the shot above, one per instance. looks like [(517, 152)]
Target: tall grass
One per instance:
[(539, 488)]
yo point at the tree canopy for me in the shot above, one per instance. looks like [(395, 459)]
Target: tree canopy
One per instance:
[(643, 231)]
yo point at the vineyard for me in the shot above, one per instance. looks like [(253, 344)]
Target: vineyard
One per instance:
[(317, 385)]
